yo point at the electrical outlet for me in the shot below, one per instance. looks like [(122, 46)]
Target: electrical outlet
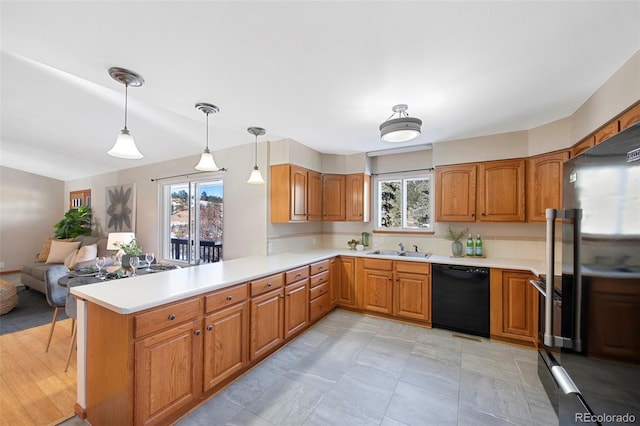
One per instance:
[(315, 241), (270, 247), (1, 265)]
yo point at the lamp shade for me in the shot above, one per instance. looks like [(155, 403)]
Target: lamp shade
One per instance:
[(125, 147), (116, 238), (207, 163), (256, 177), (400, 129)]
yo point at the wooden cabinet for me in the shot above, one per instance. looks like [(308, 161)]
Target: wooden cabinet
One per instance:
[(266, 316), (377, 280), (335, 280), (296, 301), (544, 184), (319, 289), (514, 306), (606, 132), (583, 145), (630, 117), (501, 191), (294, 194), (226, 327), (456, 193), (412, 291), (493, 191), (347, 294), (334, 203), (314, 196), (357, 197)]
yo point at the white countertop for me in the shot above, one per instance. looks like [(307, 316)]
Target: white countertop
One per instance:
[(134, 294)]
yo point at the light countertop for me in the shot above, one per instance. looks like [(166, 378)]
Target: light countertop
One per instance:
[(135, 294)]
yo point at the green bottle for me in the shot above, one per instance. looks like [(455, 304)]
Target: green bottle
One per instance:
[(470, 250), (478, 246)]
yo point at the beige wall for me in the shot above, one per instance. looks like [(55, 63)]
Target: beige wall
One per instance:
[(29, 207)]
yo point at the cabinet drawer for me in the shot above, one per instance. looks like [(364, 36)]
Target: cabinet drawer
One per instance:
[(168, 316), (319, 278), (265, 284), (318, 291), (225, 297), (381, 264), (318, 267), (297, 274), (415, 267), (319, 306)]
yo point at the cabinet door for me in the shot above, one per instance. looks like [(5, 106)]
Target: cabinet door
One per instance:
[(501, 187), (544, 184), (333, 198), (314, 196), (456, 193), (266, 323), (347, 295), (335, 278), (298, 194), (412, 296), (357, 194), (225, 343), (296, 308), (166, 372), (514, 306), (606, 132), (378, 290), (630, 117), (583, 145)]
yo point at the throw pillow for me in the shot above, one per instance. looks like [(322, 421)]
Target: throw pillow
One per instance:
[(70, 260), (46, 247), (86, 253), (60, 250)]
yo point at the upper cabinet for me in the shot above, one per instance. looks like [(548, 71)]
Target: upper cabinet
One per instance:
[(493, 191), (629, 118), (294, 194), (334, 205), (357, 193), (544, 184), (314, 197)]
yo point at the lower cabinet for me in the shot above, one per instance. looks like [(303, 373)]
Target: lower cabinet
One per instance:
[(267, 331), (514, 306), (296, 308), (347, 290), (377, 280), (335, 280)]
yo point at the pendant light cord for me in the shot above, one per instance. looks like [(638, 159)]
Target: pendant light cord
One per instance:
[(207, 147), (256, 156), (126, 97)]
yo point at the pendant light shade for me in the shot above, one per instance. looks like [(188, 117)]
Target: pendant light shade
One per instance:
[(125, 146), (401, 129), (207, 163), (256, 177)]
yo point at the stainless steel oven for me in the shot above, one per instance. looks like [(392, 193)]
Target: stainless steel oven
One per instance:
[(589, 325)]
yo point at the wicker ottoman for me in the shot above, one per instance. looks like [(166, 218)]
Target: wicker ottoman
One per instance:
[(8, 297)]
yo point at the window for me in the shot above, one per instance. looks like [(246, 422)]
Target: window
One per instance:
[(192, 230), (403, 202)]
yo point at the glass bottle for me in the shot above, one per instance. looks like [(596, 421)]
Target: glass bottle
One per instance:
[(470, 250), (478, 251)]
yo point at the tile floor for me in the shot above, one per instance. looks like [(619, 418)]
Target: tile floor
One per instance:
[(352, 369)]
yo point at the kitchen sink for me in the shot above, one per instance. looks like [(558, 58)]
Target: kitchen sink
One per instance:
[(400, 253)]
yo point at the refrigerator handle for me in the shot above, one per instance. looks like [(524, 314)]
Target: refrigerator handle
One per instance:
[(551, 215), (563, 380), (577, 279)]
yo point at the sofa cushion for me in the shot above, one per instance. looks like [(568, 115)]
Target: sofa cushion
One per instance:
[(70, 260), (60, 250), (36, 270), (46, 247), (85, 254)]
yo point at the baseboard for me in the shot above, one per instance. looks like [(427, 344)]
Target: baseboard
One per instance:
[(17, 271)]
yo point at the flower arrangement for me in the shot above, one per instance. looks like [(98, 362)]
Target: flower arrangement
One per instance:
[(131, 248), (456, 235), (353, 243)]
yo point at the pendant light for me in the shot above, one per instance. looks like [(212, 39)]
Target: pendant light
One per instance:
[(401, 129), (207, 163), (125, 146), (256, 178)]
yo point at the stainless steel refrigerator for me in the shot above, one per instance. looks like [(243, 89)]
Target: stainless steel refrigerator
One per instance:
[(589, 339)]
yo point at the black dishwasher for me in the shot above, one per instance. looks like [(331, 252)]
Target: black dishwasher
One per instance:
[(460, 299)]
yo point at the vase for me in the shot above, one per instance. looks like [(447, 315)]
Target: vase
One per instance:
[(456, 248)]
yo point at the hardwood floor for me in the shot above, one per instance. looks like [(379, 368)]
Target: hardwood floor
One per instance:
[(34, 389)]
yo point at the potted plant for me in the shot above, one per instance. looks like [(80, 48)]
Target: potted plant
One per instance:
[(130, 249), (75, 222), (455, 237)]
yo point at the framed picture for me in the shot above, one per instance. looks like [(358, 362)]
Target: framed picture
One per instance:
[(121, 208)]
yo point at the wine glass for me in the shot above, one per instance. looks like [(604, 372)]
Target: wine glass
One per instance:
[(100, 262), (134, 261), (149, 258)]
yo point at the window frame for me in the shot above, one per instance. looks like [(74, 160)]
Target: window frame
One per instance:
[(403, 177)]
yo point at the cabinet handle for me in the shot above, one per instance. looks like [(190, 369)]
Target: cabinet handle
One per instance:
[(209, 327), (298, 274), (197, 332), (172, 317), (281, 297), (483, 214), (229, 297), (268, 284), (473, 214)]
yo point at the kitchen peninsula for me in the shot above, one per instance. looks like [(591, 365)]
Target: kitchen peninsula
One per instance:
[(149, 348)]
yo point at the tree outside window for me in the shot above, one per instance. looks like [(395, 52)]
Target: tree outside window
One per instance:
[(404, 203)]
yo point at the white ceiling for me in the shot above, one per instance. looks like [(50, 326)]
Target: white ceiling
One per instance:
[(325, 74)]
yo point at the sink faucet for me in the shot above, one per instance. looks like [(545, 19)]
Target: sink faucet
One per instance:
[(415, 248), (401, 246)]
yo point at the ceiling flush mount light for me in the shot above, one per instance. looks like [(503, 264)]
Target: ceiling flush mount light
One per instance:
[(125, 146), (256, 177), (401, 129), (207, 163)]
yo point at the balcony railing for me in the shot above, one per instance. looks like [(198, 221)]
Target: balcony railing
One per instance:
[(210, 251)]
